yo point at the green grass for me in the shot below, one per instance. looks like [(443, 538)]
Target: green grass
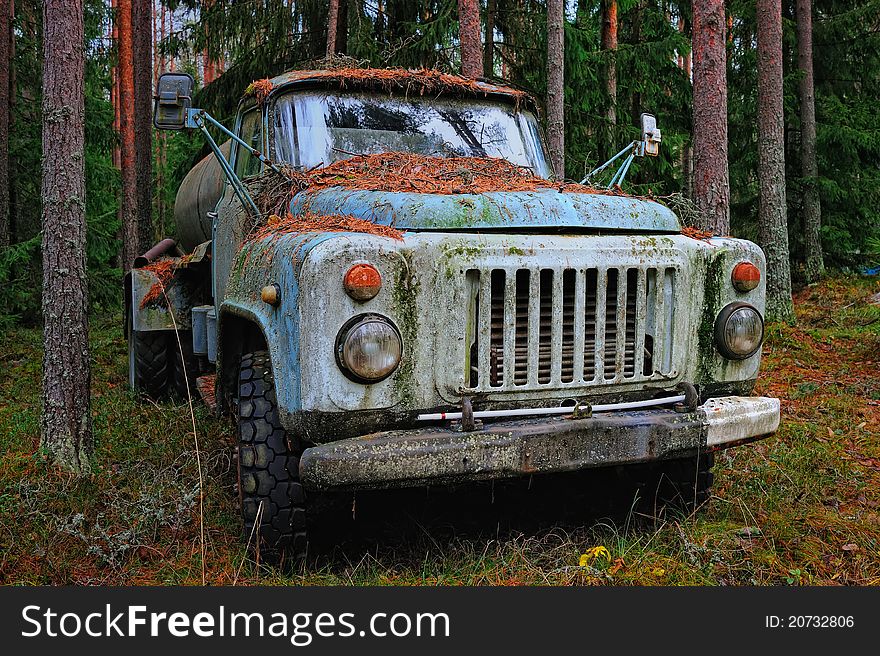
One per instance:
[(800, 508)]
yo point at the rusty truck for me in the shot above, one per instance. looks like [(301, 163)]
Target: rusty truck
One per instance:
[(480, 332)]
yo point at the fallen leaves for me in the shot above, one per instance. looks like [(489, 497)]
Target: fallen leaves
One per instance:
[(260, 90), (424, 174), (696, 233), (310, 222), (163, 269), (423, 81)]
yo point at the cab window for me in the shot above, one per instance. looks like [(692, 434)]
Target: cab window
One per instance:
[(251, 132)]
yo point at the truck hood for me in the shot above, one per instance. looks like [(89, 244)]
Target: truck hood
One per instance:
[(493, 211)]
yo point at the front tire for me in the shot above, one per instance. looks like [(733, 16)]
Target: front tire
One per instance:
[(273, 506)]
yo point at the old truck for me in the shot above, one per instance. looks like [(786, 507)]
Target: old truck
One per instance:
[(485, 330)]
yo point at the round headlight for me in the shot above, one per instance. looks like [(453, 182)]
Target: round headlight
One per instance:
[(739, 331), (368, 348)]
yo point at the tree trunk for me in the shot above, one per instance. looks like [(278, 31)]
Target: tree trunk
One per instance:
[(142, 59), (489, 41), (711, 183), (772, 223), (66, 430), (128, 209), (469, 35), (13, 99), (332, 20), (555, 86), (686, 162), (636, 12), (342, 28), (5, 105), (114, 87), (609, 45), (809, 168)]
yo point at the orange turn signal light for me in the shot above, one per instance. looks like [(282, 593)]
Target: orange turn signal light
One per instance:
[(362, 281), (745, 277)]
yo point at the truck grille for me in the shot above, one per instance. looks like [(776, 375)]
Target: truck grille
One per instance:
[(568, 327)]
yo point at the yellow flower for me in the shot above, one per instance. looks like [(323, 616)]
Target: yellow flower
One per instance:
[(594, 553), (658, 571)]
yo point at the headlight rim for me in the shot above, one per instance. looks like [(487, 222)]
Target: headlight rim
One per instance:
[(721, 321), (347, 329)]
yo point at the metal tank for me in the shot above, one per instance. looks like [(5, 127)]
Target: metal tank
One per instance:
[(197, 196)]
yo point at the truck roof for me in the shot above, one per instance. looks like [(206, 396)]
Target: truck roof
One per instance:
[(423, 81)]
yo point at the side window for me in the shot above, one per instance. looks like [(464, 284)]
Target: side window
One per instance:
[(251, 132)]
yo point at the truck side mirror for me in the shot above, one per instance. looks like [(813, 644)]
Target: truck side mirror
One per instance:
[(173, 97), (650, 135)]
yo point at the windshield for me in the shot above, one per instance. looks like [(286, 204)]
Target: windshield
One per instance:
[(313, 129)]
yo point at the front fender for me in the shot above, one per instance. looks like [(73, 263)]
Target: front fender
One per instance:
[(275, 260)]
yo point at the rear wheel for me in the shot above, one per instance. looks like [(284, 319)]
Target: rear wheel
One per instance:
[(148, 368), (273, 505)]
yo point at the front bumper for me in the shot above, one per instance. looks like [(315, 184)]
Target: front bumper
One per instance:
[(439, 455)]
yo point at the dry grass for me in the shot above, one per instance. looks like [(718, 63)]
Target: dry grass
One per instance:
[(800, 508)]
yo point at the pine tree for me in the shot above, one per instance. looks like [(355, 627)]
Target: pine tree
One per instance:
[(6, 40), (142, 61), (489, 41), (66, 431), (469, 34), (555, 86), (812, 210), (772, 222), (128, 209), (609, 45), (332, 22), (711, 184)]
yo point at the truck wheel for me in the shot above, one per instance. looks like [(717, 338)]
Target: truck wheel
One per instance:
[(683, 484), (272, 499), (186, 367), (148, 363)]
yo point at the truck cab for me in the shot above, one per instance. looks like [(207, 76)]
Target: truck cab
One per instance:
[(423, 303)]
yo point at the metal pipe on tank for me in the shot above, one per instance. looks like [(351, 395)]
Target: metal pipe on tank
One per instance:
[(159, 249)]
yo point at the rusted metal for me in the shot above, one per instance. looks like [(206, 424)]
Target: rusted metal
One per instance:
[(507, 450), (159, 249), (467, 415), (691, 398), (409, 458)]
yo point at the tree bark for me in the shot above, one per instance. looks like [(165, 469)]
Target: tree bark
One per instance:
[(342, 28), (66, 430), (555, 86), (128, 209), (489, 41), (332, 19), (5, 85), (142, 59), (711, 183), (686, 162), (814, 262), (772, 222), (609, 45), (469, 35), (114, 88)]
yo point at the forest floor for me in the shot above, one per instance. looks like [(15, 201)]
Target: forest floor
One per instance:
[(802, 507)]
